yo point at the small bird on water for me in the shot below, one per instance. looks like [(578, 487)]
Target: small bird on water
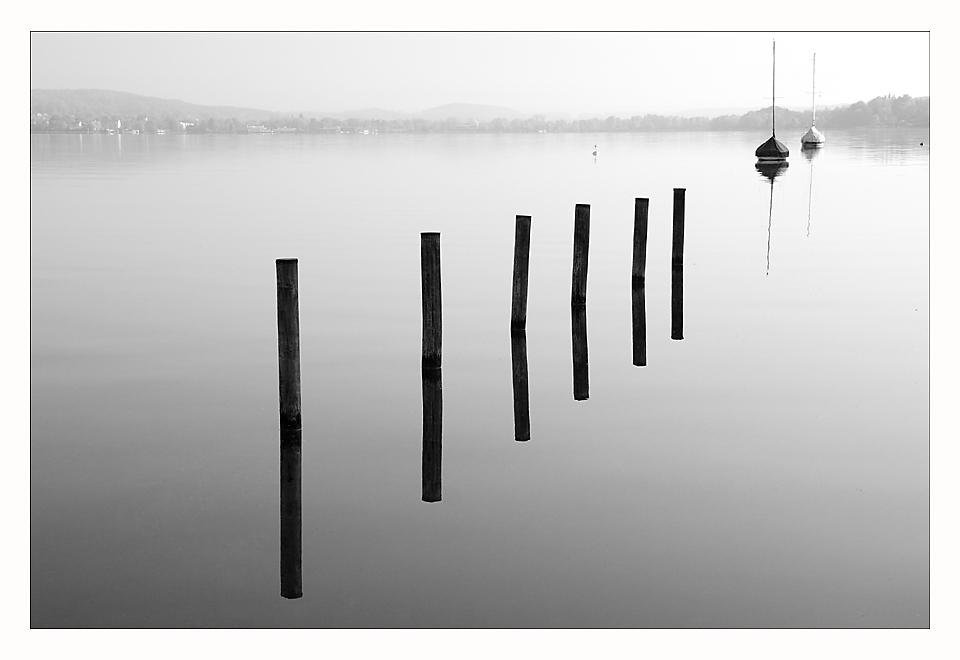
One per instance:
[(594, 150)]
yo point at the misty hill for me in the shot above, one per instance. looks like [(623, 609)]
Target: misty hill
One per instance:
[(100, 103), (711, 112), (881, 111), (460, 111), (465, 111), (363, 113)]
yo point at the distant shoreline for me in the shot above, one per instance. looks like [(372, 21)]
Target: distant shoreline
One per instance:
[(93, 111), (461, 132)]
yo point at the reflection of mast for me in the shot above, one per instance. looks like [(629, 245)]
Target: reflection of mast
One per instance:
[(770, 171), (810, 199), (769, 226), (810, 154)]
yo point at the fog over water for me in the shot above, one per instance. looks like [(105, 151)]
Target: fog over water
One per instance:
[(575, 73)]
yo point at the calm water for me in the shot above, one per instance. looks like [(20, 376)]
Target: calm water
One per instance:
[(769, 470)]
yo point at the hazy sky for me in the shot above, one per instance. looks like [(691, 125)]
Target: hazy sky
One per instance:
[(530, 72)]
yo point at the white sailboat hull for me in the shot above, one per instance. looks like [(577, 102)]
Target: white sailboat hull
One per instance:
[(812, 138)]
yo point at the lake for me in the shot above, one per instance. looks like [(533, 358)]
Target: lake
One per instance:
[(769, 469)]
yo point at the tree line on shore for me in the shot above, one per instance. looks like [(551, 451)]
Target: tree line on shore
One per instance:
[(882, 111)]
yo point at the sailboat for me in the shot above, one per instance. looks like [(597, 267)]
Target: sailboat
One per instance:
[(773, 151), (813, 138)]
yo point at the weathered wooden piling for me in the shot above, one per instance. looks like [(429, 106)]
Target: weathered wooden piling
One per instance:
[(581, 372), (288, 342), (640, 212), (430, 283), (521, 267), (639, 323), (432, 453), (581, 250), (676, 303), (679, 203), (521, 387), (291, 515)]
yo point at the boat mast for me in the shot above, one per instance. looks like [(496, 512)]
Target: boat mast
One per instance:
[(774, 100), (814, 122)]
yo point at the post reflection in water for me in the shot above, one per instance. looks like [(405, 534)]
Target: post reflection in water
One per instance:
[(432, 434), (639, 323), (291, 515), (581, 374), (521, 386), (676, 303)]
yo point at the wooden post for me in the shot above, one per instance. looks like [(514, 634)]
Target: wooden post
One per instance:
[(288, 340), (430, 282), (639, 324), (521, 387), (291, 515), (640, 211), (521, 267), (676, 303), (678, 213), (432, 453), (581, 373), (581, 249)]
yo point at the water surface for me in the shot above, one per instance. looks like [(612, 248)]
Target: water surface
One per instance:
[(770, 469)]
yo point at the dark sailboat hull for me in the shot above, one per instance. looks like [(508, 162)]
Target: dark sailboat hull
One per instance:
[(772, 151)]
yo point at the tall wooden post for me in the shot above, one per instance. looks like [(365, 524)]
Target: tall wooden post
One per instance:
[(288, 341), (521, 268), (430, 283), (640, 212), (581, 250), (679, 202)]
